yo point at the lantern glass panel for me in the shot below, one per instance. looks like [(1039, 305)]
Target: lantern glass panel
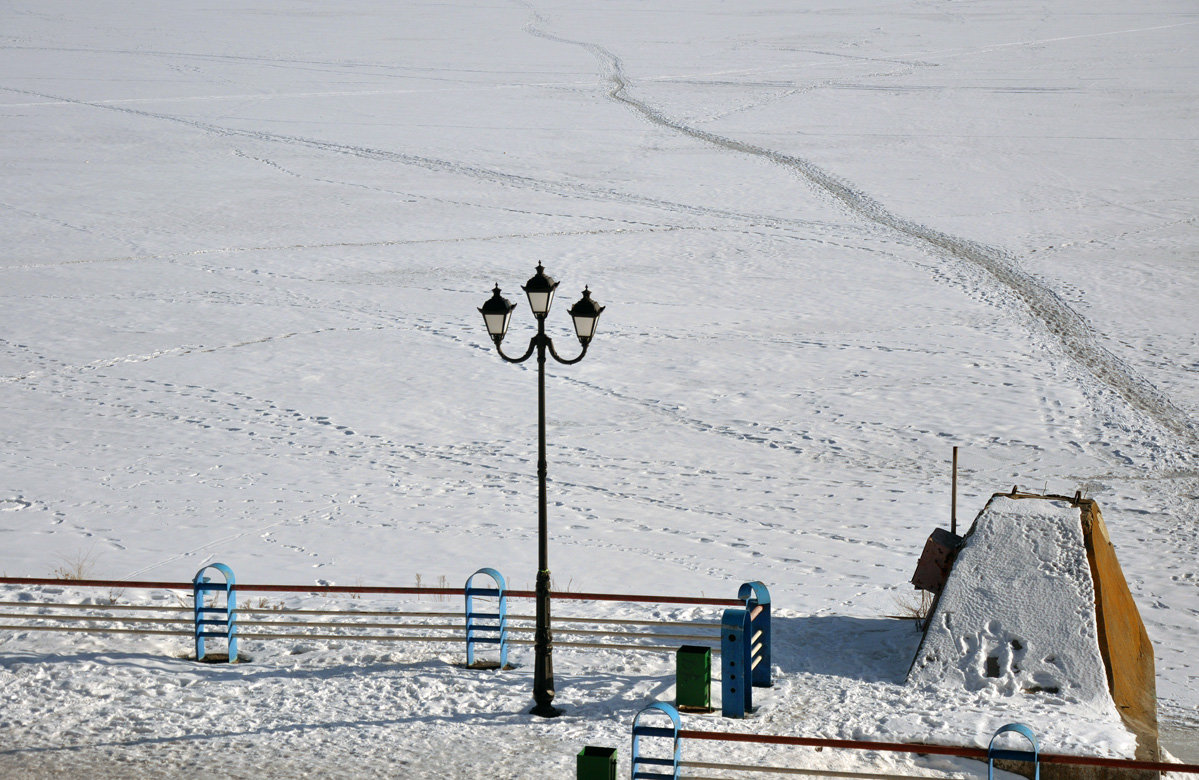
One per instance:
[(497, 324), (540, 301), (585, 326)]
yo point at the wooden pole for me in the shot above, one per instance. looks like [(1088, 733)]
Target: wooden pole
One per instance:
[(953, 501)]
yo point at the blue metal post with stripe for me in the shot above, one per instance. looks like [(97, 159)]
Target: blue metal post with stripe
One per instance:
[(204, 612), (736, 690), (1014, 755), (637, 768), (493, 624), (757, 604)]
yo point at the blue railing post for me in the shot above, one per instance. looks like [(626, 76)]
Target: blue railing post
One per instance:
[(491, 622), (638, 762), (736, 689), (1014, 755), (201, 585), (757, 604)]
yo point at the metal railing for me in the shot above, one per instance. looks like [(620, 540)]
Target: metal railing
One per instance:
[(228, 620), (677, 735)]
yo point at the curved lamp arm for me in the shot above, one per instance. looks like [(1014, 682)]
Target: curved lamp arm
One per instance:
[(522, 358), (550, 343)]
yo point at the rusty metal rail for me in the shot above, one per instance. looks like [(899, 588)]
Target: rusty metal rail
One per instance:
[(365, 590), (280, 622), (941, 750)]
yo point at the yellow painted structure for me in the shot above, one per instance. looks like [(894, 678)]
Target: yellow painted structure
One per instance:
[(1124, 647), (1123, 641)]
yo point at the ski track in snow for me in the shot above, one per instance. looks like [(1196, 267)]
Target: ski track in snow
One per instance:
[(565, 189), (290, 430), (1073, 333), (241, 414)]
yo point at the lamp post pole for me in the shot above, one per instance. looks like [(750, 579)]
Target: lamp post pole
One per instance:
[(543, 642), (497, 312)]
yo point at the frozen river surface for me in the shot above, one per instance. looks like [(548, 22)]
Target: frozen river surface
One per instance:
[(244, 243)]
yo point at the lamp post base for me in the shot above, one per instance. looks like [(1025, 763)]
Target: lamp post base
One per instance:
[(545, 711), (543, 663)]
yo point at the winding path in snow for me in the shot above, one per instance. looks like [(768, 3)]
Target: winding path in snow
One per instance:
[(1073, 334)]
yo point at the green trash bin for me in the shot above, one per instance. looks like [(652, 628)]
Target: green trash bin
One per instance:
[(596, 763), (693, 678)]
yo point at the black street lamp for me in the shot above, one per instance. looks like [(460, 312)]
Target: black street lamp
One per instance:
[(497, 312)]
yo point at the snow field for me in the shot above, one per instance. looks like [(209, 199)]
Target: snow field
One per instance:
[(244, 244)]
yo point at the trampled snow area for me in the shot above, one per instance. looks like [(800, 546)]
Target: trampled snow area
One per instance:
[(243, 248)]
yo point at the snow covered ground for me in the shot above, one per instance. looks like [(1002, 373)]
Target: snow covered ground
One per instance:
[(243, 248)]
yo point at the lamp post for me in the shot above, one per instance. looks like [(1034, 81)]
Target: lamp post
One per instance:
[(497, 312)]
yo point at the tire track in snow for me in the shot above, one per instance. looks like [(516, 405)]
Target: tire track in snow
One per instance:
[(233, 250), (494, 176), (413, 198), (290, 432), (1073, 334), (184, 349), (1069, 329), (802, 443)]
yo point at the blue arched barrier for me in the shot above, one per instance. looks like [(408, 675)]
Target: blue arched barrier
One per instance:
[(494, 623), (757, 604), (1014, 755), (639, 762), (201, 585)]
